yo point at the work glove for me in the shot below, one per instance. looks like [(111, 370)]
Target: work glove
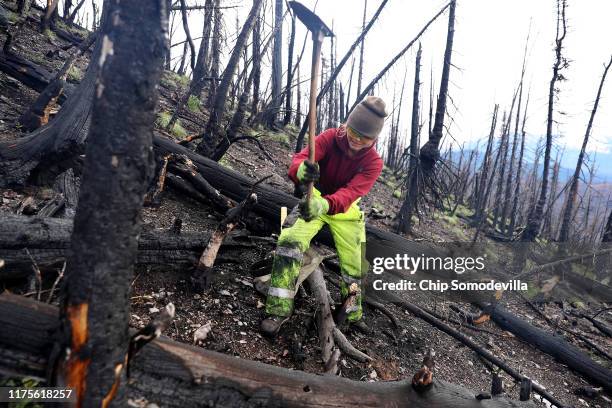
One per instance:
[(307, 172), (311, 209)]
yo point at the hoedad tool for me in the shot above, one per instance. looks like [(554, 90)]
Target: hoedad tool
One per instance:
[(319, 31)]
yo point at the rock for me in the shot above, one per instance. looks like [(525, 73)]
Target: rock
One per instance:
[(202, 332), (153, 310)]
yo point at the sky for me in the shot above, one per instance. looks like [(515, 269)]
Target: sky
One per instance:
[(488, 49)]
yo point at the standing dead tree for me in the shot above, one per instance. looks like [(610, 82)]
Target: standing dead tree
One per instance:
[(288, 92), (23, 7), (277, 66), (534, 220), (213, 132), (188, 33), (201, 67), (412, 180), (95, 309), (257, 66), (215, 52), (479, 199), (361, 48), (430, 152), (49, 15), (519, 168), (573, 190), (508, 193)]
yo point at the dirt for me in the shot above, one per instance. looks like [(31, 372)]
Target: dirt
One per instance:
[(233, 308)]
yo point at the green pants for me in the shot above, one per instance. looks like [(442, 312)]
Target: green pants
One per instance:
[(348, 231)]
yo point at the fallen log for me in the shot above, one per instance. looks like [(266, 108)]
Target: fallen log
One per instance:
[(173, 374), (30, 74), (555, 346), (48, 242), (439, 324)]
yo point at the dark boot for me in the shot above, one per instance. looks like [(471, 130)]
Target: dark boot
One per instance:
[(271, 325)]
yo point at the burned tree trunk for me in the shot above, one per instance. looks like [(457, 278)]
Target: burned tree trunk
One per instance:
[(188, 33), (23, 7), (95, 310), (215, 46), (412, 180), (508, 194), (361, 49), (480, 201), (534, 220), (288, 91), (213, 133), (430, 152), (607, 235), (257, 65), (201, 68), (573, 190), (49, 15), (519, 168), (277, 65)]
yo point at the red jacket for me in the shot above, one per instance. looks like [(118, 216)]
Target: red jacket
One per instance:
[(343, 178)]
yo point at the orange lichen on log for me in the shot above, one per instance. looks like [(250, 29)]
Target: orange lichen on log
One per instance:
[(76, 368)]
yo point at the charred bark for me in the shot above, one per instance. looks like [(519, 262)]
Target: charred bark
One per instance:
[(534, 221), (288, 87), (361, 49), (412, 180), (201, 68), (277, 66), (214, 133), (553, 345), (430, 152), (573, 190), (256, 65), (95, 309), (194, 376), (48, 242), (38, 114), (215, 48)]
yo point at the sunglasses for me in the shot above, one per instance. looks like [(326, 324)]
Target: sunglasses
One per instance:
[(358, 138)]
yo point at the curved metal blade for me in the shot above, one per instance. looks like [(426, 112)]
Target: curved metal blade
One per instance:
[(310, 19)]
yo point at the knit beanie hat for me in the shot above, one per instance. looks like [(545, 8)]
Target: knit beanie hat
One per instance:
[(368, 117)]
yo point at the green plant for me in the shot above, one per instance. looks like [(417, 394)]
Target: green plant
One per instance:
[(397, 193), (193, 103), (173, 80), (225, 163), (21, 383), (279, 137), (74, 74), (178, 131), (49, 34)]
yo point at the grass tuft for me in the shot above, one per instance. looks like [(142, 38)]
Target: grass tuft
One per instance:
[(178, 131)]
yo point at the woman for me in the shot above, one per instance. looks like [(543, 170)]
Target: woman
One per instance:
[(345, 169)]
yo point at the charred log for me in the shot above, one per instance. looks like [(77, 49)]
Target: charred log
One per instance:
[(176, 375), (48, 242)]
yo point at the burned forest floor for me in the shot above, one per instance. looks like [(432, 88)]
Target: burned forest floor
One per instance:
[(233, 308)]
